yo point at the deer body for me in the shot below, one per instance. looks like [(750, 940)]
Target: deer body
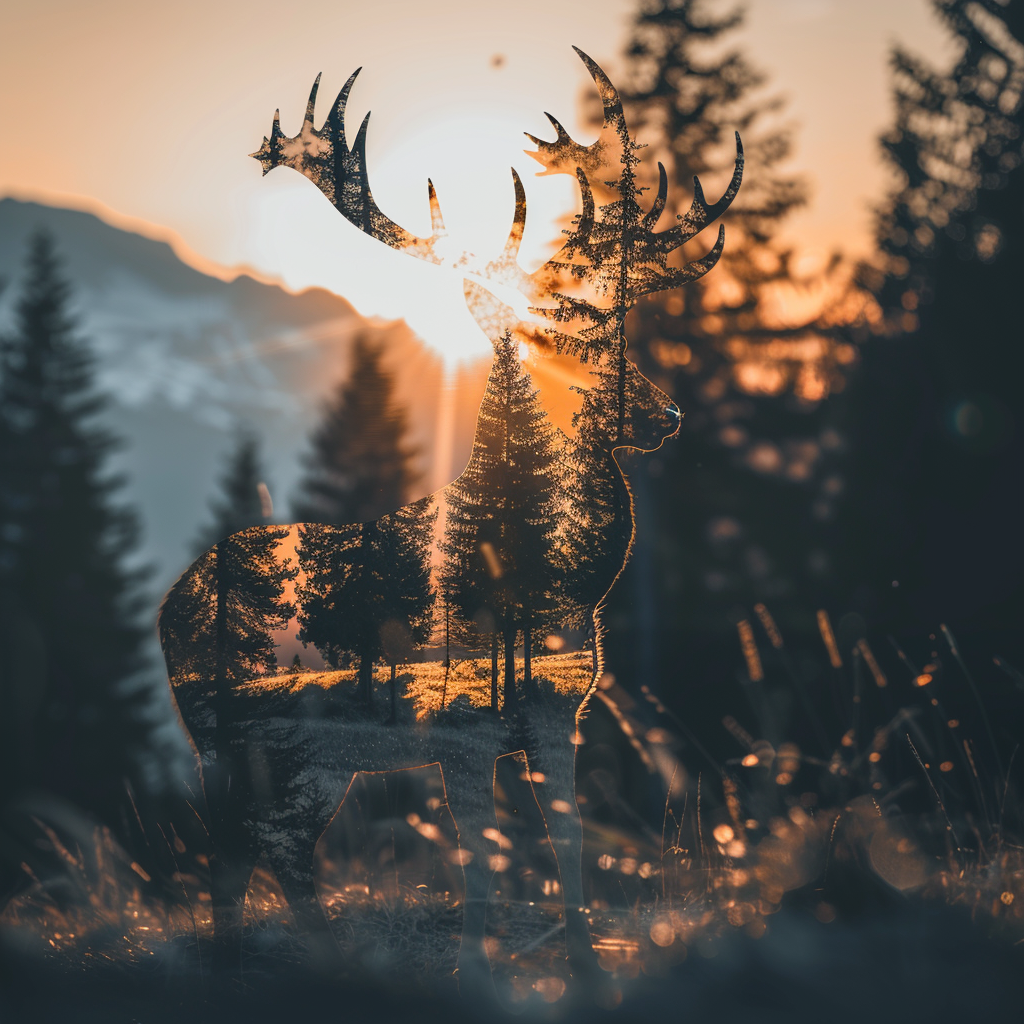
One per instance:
[(523, 545)]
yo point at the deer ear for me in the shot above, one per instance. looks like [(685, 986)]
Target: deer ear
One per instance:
[(494, 318)]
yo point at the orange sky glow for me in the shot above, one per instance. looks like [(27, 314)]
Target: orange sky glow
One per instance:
[(145, 114)]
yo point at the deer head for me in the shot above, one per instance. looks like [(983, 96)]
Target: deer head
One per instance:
[(612, 257)]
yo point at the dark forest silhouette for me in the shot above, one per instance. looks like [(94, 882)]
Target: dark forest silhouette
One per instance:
[(73, 710)]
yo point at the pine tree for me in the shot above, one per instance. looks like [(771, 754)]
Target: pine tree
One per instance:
[(598, 525), (366, 584), (502, 519), (359, 465), (937, 410), (216, 630), (738, 508), (217, 622), (244, 498), (67, 595)]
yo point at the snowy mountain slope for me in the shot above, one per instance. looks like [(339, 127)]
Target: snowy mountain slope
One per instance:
[(187, 358)]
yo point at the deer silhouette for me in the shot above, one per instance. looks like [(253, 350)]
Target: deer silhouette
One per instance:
[(524, 545)]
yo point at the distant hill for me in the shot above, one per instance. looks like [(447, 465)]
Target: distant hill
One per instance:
[(188, 357)]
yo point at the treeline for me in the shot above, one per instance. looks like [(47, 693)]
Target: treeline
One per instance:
[(534, 531), (862, 456)]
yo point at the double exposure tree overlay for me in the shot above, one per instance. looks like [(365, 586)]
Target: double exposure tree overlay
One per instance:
[(500, 544), (218, 620), (936, 417), (366, 592), (359, 465), (216, 629), (68, 599), (738, 509)]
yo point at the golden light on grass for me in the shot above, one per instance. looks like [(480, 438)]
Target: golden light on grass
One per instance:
[(825, 628), (754, 668), (869, 659), (774, 636)]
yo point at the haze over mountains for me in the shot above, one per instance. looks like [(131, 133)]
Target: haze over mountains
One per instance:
[(188, 358)]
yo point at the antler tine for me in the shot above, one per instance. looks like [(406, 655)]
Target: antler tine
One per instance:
[(336, 118), (700, 214), (610, 99), (580, 235), (311, 102), (515, 235), (658, 206), (561, 134), (696, 268), (437, 228)]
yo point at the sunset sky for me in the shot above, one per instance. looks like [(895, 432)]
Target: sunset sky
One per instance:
[(145, 113)]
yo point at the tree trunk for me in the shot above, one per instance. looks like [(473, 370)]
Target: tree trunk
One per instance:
[(529, 689), (394, 708), (221, 696), (494, 672), (510, 671), (366, 677)]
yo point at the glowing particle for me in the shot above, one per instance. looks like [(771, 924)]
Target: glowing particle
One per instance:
[(825, 913), (923, 679), (723, 834), (628, 865), (1006, 897), (946, 766), (749, 761), (605, 862), (874, 757), (504, 843), (561, 807), (783, 779), (953, 723), (662, 932), (499, 862)]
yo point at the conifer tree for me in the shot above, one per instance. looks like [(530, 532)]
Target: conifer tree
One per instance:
[(937, 412), (364, 584), (67, 593), (739, 505), (244, 498), (359, 465), (502, 520)]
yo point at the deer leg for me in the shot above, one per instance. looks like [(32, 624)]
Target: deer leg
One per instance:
[(470, 795), (557, 798), (230, 871), (295, 876)]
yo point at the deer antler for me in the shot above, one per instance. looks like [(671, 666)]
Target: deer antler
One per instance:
[(612, 252), (324, 156)]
